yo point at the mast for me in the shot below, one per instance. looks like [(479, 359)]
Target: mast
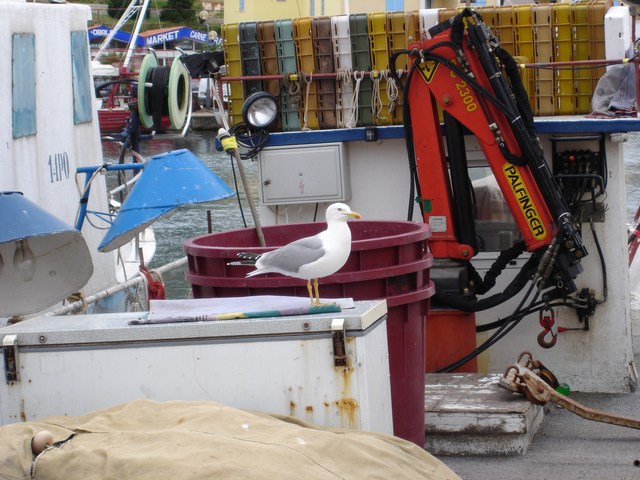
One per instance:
[(136, 7)]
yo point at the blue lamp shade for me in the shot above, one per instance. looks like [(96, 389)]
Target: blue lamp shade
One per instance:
[(167, 181), (42, 259)]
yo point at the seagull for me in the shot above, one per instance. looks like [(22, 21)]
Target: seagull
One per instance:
[(312, 257)]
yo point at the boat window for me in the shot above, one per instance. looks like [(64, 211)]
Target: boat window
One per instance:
[(82, 106), (23, 71), (495, 227)]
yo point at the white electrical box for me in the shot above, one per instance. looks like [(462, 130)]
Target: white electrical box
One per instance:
[(309, 173)]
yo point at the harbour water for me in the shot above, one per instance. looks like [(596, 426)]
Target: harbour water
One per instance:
[(632, 174)]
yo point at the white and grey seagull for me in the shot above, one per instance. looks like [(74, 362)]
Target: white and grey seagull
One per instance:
[(310, 258)]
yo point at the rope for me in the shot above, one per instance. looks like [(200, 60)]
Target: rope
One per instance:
[(77, 297), (293, 86), (376, 100), (293, 93), (353, 117), (154, 283), (218, 101), (392, 89), (306, 100), (344, 77), (137, 297)]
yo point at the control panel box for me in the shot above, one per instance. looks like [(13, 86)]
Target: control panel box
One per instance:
[(309, 173)]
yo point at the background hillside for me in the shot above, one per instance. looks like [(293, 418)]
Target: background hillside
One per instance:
[(160, 14)]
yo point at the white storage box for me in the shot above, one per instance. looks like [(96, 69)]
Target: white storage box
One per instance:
[(287, 365)]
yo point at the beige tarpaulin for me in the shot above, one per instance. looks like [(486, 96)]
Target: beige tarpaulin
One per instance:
[(205, 440)]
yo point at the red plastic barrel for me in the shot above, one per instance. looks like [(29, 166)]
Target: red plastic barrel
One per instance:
[(388, 260)]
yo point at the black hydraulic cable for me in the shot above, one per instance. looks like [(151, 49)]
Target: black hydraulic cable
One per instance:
[(498, 266), (514, 319), (393, 72), (540, 305), (552, 298), (463, 223), (252, 141), (472, 304), (414, 185), (603, 265)]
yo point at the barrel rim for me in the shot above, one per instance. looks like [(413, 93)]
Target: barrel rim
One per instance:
[(421, 232)]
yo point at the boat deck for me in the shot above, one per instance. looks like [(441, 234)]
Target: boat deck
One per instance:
[(567, 446)]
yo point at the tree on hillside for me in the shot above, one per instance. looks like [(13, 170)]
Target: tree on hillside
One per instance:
[(178, 11), (115, 8)]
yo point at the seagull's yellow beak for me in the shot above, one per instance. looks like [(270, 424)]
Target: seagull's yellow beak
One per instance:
[(355, 215)]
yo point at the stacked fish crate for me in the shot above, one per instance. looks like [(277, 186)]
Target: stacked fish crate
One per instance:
[(334, 72)]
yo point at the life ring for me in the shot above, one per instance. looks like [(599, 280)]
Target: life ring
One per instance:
[(149, 62), (158, 97), (179, 93)]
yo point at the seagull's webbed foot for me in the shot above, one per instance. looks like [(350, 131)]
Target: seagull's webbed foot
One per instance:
[(316, 301)]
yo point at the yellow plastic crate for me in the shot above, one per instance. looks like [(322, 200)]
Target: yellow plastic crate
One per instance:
[(412, 26), (231, 47), (582, 51), (490, 17), (379, 51), (504, 29), (525, 48), (403, 28), (306, 66), (544, 103), (446, 14), (562, 17)]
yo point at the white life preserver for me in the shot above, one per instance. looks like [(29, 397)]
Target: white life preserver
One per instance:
[(149, 62), (179, 92)]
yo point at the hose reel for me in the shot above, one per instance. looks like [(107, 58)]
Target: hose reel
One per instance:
[(163, 91)]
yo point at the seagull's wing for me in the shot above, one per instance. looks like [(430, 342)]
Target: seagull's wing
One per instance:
[(291, 257)]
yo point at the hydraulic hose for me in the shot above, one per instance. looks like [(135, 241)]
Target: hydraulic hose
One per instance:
[(472, 304)]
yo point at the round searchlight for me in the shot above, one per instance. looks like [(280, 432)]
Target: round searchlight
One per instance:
[(260, 110)]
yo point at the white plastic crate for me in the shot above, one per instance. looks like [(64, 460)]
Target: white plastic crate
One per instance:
[(428, 19), (342, 58)]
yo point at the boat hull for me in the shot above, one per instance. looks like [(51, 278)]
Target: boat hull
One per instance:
[(114, 120)]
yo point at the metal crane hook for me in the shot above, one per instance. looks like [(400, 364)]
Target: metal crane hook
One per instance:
[(547, 343)]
